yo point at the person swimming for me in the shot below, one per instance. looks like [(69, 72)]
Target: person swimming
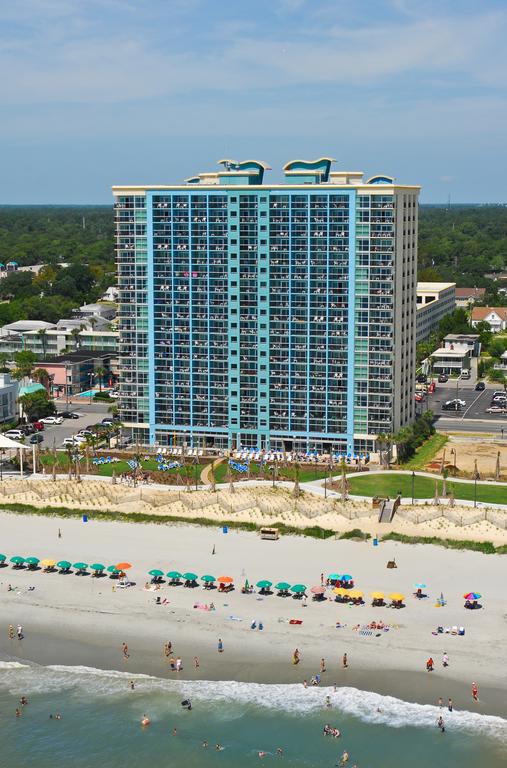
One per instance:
[(145, 721)]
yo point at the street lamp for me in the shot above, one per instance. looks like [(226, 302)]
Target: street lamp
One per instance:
[(413, 483), (475, 490)]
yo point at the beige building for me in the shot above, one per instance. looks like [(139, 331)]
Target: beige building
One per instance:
[(434, 301)]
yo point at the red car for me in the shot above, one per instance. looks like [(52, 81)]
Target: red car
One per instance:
[(38, 425)]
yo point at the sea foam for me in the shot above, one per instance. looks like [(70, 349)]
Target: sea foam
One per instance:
[(290, 698)]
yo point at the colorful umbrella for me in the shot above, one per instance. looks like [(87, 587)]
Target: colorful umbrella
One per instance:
[(318, 590), (468, 596), (17, 560), (396, 596), (298, 588), (190, 576), (112, 569), (420, 586), (124, 566), (355, 593), (283, 586), (64, 565), (208, 579), (80, 566), (3, 558), (334, 577), (264, 584), (346, 577), (340, 591), (155, 572), (174, 575), (225, 579), (377, 595), (97, 567), (48, 562), (32, 560)]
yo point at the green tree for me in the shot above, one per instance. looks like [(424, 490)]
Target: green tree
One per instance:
[(100, 373), (36, 405), (25, 361)]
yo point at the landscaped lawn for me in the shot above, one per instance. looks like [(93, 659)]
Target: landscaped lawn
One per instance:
[(107, 469), (390, 483), (306, 473), (426, 452)]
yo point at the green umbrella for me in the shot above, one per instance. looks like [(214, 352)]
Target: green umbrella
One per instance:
[(155, 572), (17, 560), (334, 577), (97, 567), (32, 560), (208, 578), (3, 558), (64, 565), (174, 575), (283, 585), (264, 584), (298, 588), (112, 569), (190, 576), (80, 566)]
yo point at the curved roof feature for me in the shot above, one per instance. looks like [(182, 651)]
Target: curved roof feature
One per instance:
[(310, 165), (193, 180), (245, 165), (381, 180)]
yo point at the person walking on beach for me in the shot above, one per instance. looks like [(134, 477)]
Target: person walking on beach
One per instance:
[(11, 632), (449, 705), (220, 646), (445, 660), (179, 664), (475, 692), (322, 666), (321, 579), (345, 661), (19, 631), (125, 651), (196, 662), (296, 656), (440, 702)]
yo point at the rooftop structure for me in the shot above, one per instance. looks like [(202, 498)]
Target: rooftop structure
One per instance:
[(434, 301)]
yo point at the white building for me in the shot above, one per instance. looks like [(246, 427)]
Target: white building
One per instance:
[(495, 316), (8, 398), (434, 301)]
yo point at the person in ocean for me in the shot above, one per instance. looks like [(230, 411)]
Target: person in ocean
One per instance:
[(440, 724), (145, 721)]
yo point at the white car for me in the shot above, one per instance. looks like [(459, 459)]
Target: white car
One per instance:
[(496, 409), (52, 420), (73, 441), (14, 434)]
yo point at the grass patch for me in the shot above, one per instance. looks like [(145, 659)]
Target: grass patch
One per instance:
[(306, 473), (486, 547), (119, 467), (390, 483), (355, 533), (426, 452)]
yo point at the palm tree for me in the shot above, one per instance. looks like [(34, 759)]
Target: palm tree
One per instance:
[(296, 490), (445, 475), (211, 475), (75, 336), (42, 333), (100, 372), (42, 376)]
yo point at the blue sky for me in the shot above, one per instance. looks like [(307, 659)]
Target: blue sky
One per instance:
[(99, 92)]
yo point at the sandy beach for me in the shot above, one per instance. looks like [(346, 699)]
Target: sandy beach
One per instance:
[(74, 620)]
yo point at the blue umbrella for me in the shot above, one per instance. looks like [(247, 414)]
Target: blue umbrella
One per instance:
[(420, 586), (346, 577)]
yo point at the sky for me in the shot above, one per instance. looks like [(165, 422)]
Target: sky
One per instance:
[(106, 92)]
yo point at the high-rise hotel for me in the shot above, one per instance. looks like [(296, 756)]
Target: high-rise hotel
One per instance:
[(267, 315)]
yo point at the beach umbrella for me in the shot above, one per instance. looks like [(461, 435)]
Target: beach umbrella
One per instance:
[(97, 567), (346, 577), (3, 558), (396, 596), (124, 566), (420, 586), (298, 589), (318, 590), (264, 584), (32, 560), (355, 593), (377, 595), (334, 577), (282, 585), (112, 569), (155, 572), (17, 560), (208, 579), (468, 596), (225, 579), (340, 591), (48, 562), (64, 565), (190, 576), (174, 575), (80, 566)]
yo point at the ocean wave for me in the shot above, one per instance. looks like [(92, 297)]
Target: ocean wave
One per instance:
[(293, 699)]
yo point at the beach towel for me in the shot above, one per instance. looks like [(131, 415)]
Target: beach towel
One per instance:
[(234, 618), (295, 621)]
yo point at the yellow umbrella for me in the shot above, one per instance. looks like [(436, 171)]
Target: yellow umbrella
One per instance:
[(396, 596), (48, 563), (377, 595), (340, 591), (354, 593)]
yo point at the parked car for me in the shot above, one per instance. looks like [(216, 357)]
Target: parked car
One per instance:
[(480, 386), (86, 433), (68, 415), (108, 422), (452, 407), (73, 441), (496, 409), (27, 429), (422, 378), (14, 434), (465, 374), (52, 420), (36, 438), (38, 425), (499, 399), (499, 393), (443, 377), (456, 400)]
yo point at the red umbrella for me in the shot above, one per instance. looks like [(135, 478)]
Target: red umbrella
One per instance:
[(318, 590)]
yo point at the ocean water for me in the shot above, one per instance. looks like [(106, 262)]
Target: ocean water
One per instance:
[(101, 716)]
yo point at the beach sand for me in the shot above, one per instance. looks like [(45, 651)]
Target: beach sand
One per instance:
[(74, 620)]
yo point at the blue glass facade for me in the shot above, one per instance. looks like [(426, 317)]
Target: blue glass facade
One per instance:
[(262, 316)]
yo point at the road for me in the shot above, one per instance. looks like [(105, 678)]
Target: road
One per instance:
[(472, 417)]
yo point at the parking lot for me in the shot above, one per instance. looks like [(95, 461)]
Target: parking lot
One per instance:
[(476, 404), (89, 414)]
